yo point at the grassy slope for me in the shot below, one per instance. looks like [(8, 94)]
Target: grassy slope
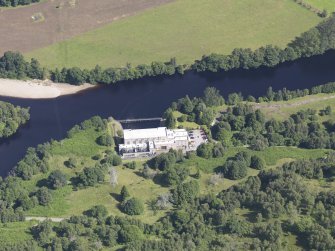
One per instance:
[(185, 29), (328, 5)]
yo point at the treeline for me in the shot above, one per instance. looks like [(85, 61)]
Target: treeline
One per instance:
[(13, 65), (75, 75), (320, 13), (285, 94), (11, 118), (313, 42), (14, 3)]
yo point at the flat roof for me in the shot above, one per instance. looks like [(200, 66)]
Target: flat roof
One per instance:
[(158, 132)]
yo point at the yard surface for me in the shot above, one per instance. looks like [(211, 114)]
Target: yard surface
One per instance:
[(56, 20), (185, 29)]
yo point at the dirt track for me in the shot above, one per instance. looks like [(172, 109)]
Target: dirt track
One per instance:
[(62, 19)]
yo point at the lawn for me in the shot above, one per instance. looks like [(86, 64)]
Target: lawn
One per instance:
[(185, 29), (328, 5)]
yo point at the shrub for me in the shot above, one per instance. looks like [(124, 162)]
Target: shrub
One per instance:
[(71, 163), (131, 165)]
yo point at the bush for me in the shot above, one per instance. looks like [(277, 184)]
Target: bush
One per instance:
[(71, 163), (116, 160), (132, 206), (131, 165)]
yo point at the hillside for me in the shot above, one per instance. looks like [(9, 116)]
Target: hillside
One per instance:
[(186, 30)]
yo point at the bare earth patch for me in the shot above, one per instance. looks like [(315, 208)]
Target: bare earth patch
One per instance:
[(62, 19), (38, 89)]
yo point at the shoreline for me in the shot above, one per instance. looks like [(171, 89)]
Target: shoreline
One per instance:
[(38, 89)]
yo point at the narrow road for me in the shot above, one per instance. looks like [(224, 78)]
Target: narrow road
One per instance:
[(31, 218)]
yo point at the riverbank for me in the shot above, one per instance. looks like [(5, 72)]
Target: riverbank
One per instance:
[(38, 89)]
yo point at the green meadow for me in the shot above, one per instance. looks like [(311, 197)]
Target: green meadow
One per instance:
[(328, 5), (185, 29)]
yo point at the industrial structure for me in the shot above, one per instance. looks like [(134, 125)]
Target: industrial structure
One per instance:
[(149, 142)]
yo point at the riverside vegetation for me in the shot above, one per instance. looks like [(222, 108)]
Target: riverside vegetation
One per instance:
[(313, 42), (260, 183), (11, 118)]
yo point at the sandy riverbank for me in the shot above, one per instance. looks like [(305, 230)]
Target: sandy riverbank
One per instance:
[(38, 89)]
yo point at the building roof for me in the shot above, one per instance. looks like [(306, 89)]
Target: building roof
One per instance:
[(159, 132)]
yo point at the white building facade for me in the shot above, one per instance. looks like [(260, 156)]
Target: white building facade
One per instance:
[(148, 142)]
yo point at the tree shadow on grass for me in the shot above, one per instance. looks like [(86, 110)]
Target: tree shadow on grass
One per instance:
[(116, 196), (42, 183)]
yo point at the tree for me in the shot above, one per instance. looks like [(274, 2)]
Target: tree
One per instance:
[(185, 193), (212, 97), (91, 176), (174, 175), (124, 195), (99, 212), (57, 179), (205, 150), (235, 169), (257, 162), (132, 206), (186, 105), (44, 196), (170, 120), (106, 140)]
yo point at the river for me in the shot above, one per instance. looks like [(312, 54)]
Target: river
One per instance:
[(150, 97)]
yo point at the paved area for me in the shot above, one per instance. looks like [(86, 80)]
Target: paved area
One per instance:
[(197, 137), (33, 218)]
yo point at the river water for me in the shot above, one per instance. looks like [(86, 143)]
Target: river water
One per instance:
[(150, 97)]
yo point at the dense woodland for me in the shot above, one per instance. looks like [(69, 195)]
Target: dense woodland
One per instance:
[(11, 118), (313, 42), (14, 3)]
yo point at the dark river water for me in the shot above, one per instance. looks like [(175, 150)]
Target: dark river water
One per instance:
[(150, 97)]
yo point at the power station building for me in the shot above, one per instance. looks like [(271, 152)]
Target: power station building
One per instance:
[(151, 141)]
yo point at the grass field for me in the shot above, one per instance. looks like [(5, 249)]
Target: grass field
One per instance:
[(185, 29), (328, 5), (283, 109), (15, 232)]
